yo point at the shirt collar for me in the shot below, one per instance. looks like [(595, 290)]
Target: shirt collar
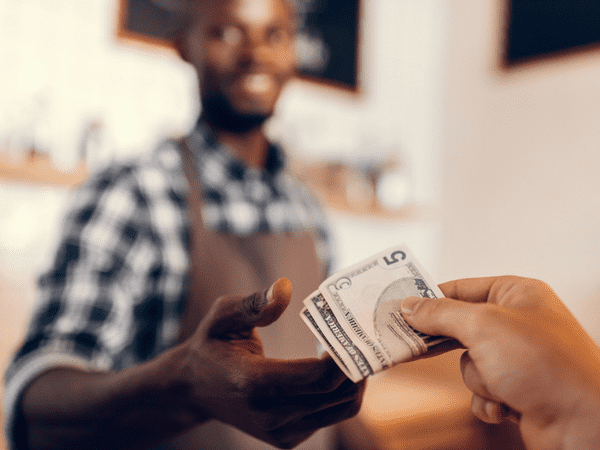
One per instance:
[(203, 140)]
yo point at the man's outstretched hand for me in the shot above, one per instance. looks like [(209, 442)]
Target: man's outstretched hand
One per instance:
[(282, 402)]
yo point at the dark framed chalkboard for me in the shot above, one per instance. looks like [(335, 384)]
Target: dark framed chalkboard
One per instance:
[(327, 46), (144, 21), (539, 29), (329, 41)]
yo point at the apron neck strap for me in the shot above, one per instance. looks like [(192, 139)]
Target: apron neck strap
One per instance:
[(195, 191)]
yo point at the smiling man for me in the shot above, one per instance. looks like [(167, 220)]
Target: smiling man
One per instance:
[(243, 54), (144, 333)]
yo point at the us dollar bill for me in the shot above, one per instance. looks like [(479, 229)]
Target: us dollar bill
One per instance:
[(328, 341), (356, 315)]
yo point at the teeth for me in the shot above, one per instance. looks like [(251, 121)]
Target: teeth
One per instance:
[(258, 83)]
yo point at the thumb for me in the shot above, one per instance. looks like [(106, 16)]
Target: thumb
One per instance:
[(237, 314), (440, 317)]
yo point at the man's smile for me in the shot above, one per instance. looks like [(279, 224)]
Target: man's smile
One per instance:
[(259, 83)]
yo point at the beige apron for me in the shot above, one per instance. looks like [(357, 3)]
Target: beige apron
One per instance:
[(226, 264)]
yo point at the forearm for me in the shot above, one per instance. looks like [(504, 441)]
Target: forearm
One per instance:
[(133, 409)]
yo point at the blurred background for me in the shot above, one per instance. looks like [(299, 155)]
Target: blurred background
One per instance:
[(482, 168)]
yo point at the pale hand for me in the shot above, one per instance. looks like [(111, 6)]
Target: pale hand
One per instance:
[(527, 357)]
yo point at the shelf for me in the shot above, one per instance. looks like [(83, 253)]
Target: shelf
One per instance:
[(350, 190), (37, 168)]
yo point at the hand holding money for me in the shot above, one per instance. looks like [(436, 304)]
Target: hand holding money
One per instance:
[(355, 313), (528, 359)]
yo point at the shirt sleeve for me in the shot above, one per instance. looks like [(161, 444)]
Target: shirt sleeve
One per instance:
[(84, 299)]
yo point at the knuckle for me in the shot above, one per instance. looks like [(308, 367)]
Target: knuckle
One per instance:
[(525, 286), (537, 287), (254, 303), (483, 316), (486, 317), (433, 307), (511, 279)]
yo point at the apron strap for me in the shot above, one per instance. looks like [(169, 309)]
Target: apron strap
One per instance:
[(195, 197)]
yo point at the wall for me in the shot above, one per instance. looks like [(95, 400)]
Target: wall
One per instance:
[(64, 68), (398, 110), (521, 157)]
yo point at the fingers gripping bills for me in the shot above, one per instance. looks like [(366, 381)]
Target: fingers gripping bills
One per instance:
[(355, 313)]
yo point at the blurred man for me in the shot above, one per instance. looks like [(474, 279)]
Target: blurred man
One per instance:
[(127, 347), (527, 357)]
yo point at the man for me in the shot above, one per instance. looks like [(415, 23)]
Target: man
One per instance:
[(128, 347), (527, 357)]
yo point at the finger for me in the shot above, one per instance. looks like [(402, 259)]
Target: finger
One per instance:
[(440, 349), (289, 440), (299, 377), (237, 314), (487, 410), (512, 415), (443, 317), (278, 296), (291, 408), (491, 411), (472, 290), (473, 379), (310, 403), (321, 419)]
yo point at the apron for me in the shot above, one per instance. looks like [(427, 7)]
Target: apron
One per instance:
[(226, 264)]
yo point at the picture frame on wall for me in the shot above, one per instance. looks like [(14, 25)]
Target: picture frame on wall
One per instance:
[(541, 30), (145, 21), (327, 45), (329, 41)]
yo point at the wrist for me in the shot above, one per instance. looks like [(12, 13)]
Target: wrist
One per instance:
[(170, 389)]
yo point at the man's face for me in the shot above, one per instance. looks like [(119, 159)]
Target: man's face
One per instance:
[(243, 53)]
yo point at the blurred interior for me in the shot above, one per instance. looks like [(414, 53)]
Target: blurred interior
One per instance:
[(492, 169)]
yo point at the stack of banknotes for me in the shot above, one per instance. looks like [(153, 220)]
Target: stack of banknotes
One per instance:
[(355, 313)]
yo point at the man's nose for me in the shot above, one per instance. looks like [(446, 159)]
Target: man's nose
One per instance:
[(255, 51)]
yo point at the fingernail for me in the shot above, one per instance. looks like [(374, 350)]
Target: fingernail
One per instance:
[(269, 294), (491, 410), (410, 304)]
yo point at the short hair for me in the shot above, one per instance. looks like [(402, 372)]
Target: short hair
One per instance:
[(180, 14)]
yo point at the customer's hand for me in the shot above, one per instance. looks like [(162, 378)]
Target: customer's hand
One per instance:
[(281, 402), (527, 357)]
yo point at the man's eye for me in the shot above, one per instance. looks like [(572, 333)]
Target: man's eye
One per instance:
[(228, 35)]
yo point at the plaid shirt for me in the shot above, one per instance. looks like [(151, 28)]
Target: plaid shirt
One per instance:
[(114, 294)]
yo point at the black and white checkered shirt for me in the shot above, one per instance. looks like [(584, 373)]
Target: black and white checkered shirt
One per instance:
[(114, 294)]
